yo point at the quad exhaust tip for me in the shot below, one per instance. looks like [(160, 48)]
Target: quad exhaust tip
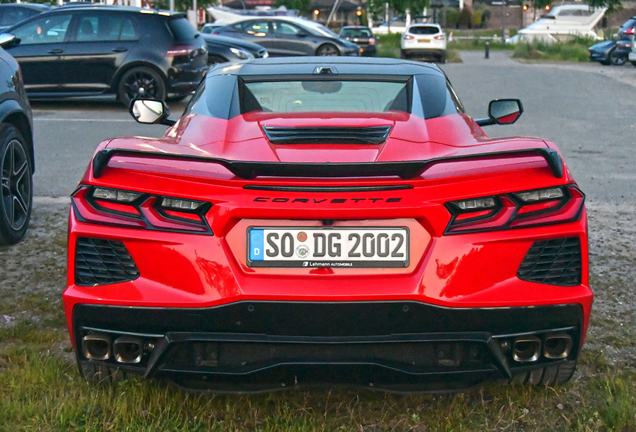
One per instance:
[(557, 346), (128, 349), (526, 349), (96, 346)]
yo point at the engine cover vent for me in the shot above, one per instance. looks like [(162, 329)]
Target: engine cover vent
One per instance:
[(327, 135)]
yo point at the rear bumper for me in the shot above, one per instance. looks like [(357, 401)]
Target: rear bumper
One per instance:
[(423, 52), (252, 346), (185, 78)]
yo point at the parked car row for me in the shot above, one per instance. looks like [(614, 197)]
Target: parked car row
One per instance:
[(616, 52)]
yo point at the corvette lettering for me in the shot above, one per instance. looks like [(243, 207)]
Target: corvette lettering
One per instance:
[(326, 201)]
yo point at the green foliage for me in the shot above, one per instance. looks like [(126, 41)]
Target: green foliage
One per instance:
[(612, 5), (452, 16), (539, 5), (573, 50), (301, 5), (465, 17), (476, 20), (179, 5)]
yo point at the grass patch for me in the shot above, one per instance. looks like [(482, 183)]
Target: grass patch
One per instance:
[(41, 391), (574, 50)]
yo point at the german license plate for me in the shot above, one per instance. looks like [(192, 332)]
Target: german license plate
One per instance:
[(424, 40), (343, 247)]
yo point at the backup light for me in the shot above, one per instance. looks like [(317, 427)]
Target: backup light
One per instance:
[(180, 204), (115, 195), (475, 204), (540, 195)]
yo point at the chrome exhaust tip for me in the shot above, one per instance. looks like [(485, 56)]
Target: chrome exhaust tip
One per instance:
[(526, 349), (128, 349), (96, 346), (557, 346)]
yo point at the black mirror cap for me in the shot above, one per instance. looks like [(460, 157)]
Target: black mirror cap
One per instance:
[(505, 111), (160, 119), (7, 40)]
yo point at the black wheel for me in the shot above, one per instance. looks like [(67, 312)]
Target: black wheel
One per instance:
[(404, 55), (100, 374), (214, 60), (547, 376), (328, 50), (16, 186), (141, 82), (617, 60), (442, 58), (633, 63)]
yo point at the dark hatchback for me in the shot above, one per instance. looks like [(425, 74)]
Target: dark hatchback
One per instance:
[(615, 52), (290, 37), (16, 152), (95, 50), (223, 49), (362, 36), (13, 13)]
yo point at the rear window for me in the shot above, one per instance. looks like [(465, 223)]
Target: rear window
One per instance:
[(324, 96), (424, 30), (356, 33), (181, 29)]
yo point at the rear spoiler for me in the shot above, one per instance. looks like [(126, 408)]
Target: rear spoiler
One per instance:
[(404, 169)]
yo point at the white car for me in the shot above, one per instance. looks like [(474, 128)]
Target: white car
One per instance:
[(424, 40)]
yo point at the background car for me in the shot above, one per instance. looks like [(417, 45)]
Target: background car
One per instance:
[(17, 162), (13, 13), (210, 27), (286, 36), (362, 36), (628, 29), (610, 52), (95, 50), (424, 40), (222, 49)]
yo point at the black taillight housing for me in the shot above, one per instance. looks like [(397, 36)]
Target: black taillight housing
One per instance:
[(130, 209), (523, 209)]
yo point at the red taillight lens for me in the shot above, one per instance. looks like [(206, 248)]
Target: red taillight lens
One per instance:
[(516, 210), (440, 37), (371, 41), (180, 50), (408, 37), (629, 31), (137, 210)]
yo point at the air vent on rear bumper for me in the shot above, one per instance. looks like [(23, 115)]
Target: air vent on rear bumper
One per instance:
[(327, 135), (101, 262), (554, 262)]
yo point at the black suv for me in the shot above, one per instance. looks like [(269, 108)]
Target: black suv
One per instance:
[(91, 50), (16, 152)]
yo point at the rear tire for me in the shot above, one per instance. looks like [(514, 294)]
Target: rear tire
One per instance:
[(141, 82), (616, 60), (101, 374), (547, 376), (328, 50), (214, 60), (633, 63), (16, 186), (442, 58)]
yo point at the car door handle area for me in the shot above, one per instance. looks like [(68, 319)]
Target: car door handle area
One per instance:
[(118, 50), (56, 51)]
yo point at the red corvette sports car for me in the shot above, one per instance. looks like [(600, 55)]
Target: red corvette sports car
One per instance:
[(330, 223)]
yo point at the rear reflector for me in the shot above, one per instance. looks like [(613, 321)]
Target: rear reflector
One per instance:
[(180, 50)]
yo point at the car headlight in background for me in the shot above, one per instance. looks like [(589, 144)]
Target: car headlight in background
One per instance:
[(265, 55), (243, 55)]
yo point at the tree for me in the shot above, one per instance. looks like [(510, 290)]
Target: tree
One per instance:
[(611, 5), (300, 5)]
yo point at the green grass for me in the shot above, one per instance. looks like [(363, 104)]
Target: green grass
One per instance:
[(574, 50)]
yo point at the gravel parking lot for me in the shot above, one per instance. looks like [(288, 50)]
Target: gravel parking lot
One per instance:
[(585, 109)]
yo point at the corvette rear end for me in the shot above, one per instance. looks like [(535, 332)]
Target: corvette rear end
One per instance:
[(340, 224)]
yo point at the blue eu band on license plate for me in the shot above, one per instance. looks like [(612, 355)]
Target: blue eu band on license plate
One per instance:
[(341, 247)]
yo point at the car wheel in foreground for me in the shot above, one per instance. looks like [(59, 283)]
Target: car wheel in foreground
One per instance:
[(547, 376), (615, 59), (141, 82), (16, 190), (328, 50)]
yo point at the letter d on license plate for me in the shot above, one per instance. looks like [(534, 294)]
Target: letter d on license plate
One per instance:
[(345, 247)]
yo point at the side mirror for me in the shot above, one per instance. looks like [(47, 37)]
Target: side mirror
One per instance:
[(150, 111), (502, 111), (7, 39)]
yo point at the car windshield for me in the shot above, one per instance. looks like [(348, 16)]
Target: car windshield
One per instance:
[(325, 96), (317, 29), (355, 33)]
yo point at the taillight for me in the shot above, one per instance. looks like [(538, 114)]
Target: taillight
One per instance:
[(440, 37), (107, 206), (516, 210), (180, 50), (629, 31), (407, 37), (371, 41)]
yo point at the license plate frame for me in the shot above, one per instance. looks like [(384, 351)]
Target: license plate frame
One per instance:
[(327, 262), (424, 40)]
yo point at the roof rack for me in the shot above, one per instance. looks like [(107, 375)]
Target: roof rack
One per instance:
[(404, 169)]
